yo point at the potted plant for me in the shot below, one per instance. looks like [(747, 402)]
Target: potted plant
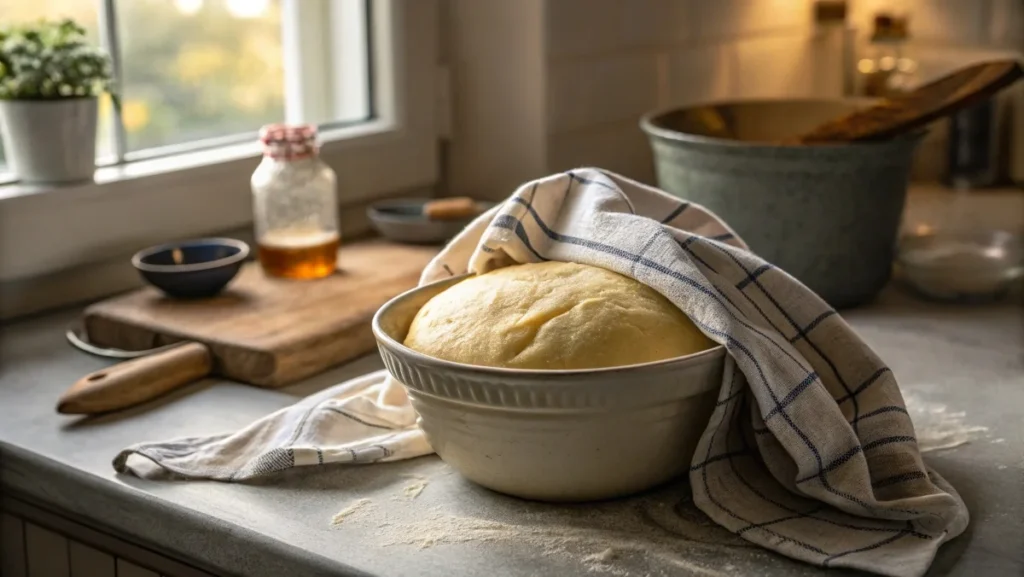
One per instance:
[(50, 78)]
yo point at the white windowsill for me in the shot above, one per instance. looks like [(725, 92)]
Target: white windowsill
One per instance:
[(43, 230), (207, 157)]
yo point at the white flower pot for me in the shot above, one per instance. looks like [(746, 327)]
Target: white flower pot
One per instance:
[(50, 141)]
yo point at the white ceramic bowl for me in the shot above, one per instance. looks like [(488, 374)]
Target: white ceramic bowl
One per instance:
[(553, 435)]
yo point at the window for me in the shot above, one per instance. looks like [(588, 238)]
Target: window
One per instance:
[(192, 70), (202, 73), (199, 77)]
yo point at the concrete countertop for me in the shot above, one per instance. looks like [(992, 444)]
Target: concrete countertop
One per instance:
[(961, 371)]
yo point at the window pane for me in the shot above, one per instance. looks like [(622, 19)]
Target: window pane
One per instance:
[(86, 13), (196, 69)]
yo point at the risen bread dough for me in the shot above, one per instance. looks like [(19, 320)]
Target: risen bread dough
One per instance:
[(553, 315)]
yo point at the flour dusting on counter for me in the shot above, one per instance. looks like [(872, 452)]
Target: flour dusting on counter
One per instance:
[(654, 534), (937, 427), (413, 489), (600, 550), (661, 533), (347, 512)]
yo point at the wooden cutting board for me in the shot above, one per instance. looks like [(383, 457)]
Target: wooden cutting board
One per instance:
[(264, 331)]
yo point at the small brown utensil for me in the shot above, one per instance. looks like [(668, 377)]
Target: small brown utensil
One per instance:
[(453, 208), (904, 113)]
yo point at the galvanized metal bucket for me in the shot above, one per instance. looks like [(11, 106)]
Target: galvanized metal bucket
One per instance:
[(829, 215)]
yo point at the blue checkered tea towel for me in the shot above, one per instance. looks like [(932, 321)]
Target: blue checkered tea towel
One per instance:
[(809, 452)]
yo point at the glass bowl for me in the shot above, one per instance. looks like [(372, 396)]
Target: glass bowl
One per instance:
[(961, 266)]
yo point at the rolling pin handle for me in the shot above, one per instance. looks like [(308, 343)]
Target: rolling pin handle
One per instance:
[(137, 381)]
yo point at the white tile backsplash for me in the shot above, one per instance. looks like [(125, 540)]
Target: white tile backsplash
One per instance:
[(934, 61), (953, 21), (587, 27), (774, 67), (681, 23), (610, 61), (944, 21), (651, 23), (581, 27), (1006, 24), (701, 74), (587, 92), (728, 19), (621, 147)]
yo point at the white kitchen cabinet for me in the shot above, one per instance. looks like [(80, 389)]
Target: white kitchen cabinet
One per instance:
[(40, 543)]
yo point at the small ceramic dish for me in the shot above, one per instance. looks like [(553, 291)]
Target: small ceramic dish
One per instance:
[(962, 266), (402, 220), (576, 435), (194, 268)]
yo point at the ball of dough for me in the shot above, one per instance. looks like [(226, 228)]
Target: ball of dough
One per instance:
[(553, 315)]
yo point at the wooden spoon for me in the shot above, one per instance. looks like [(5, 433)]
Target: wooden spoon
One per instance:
[(907, 112)]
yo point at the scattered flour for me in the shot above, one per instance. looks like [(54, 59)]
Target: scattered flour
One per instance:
[(345, 513), (646, 535), (597, 549), (413, 490), (656, 534), (606, 556), (937, 427), (597, 562)]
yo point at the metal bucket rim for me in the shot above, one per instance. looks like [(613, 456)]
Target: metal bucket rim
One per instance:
[(649, 124)]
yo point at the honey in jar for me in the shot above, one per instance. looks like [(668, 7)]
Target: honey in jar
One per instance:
[(295, 205), (299, 254)]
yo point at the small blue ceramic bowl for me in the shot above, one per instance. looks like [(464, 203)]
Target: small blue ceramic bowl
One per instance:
[(193, 268)]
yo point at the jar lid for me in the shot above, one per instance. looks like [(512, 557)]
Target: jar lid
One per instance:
[(890, 27), (289, 141), (829, 11)]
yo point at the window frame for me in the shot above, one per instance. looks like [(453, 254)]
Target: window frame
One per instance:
[(204, 192)]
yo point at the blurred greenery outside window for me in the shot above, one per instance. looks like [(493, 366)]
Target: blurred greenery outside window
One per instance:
[(201, 73)]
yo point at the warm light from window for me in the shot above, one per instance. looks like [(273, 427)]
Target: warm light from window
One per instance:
[(247, 8), (188, 7)]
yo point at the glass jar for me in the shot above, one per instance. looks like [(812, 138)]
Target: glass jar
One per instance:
[(295, 205), (886, 70)]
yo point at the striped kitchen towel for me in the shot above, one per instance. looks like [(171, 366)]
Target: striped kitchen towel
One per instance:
[(809, 452)]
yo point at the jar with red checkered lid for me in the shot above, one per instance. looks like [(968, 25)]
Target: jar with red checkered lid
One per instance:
[(295, 205)]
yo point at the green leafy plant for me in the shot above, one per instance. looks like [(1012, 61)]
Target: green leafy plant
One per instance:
[(52, 60)]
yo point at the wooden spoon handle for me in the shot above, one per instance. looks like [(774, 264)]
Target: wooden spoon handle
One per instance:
[(136, 381), (911, 111)]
